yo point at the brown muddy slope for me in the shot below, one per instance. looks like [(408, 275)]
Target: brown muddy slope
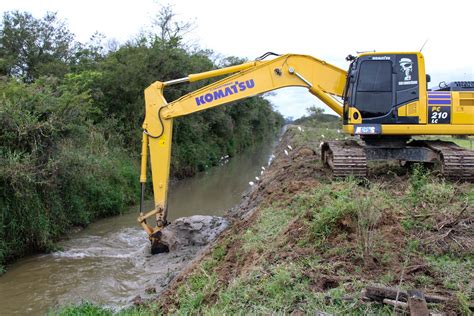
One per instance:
[(300, 242)]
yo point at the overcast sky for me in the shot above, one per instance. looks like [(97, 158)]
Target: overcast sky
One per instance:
[(328, 30)]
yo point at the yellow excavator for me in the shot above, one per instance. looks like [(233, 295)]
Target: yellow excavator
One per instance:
[(383, 98)]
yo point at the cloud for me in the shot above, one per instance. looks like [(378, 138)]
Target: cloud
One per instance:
[(294, 101)]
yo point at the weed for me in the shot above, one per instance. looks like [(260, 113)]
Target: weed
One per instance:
[(194, 291), (337, 204), (426, 191), (368, 216), (423, 280), (282, 289), (463, 303), (328, 205), (437, 193), (269, 224), (219, 253), (216, 257), (409, 223), (312, 262), (413, 245), (418, 180), (148, 309), (453, 271), (386, 258), (388, 278), (84, 308)]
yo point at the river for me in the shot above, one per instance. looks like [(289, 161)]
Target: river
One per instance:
[(108, 262)]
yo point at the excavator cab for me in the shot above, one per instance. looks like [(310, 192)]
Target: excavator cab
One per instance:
[(387, 104), (378, 85)]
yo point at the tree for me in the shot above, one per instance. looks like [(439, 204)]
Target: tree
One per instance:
[(315, 111), (170, 31), (87, 56), (31, 47)]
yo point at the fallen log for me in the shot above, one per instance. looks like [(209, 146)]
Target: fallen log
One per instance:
[(378, 294), (398, 304)]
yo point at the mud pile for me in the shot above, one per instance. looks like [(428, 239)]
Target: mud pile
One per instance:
[(197, 230)]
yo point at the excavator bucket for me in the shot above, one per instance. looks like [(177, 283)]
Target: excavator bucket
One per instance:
[(157, 245), (154, 233)]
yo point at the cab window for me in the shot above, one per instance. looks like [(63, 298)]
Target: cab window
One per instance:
[(374, 88)]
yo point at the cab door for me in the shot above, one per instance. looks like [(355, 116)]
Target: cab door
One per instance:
[(374, 89), (383, 83)]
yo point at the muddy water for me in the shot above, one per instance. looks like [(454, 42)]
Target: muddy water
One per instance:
[(108, 263)]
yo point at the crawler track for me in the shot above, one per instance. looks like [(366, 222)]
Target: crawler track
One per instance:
[(345, 158), (456, 163), (348, 158)]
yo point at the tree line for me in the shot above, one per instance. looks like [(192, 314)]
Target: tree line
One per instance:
[(70, 123)]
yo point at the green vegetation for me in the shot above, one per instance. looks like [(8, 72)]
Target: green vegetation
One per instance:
[(70, 123), (89, 309), (257, 237), (57, 168), (464, 141), (70, 115), (85, 308), (316, 117)]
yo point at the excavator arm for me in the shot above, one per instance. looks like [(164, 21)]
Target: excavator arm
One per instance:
[(249, 79)]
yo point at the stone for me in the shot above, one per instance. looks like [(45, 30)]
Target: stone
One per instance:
[(197, 230), (137, 300)]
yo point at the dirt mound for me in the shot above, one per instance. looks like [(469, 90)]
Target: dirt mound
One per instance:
[(299, 232)]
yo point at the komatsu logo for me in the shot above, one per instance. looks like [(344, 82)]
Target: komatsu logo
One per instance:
[(225, 91)]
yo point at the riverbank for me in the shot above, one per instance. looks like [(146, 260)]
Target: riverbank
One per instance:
[(109, 261), (303, 243)]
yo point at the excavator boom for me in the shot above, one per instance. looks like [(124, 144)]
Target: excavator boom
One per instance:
[(249, 79)]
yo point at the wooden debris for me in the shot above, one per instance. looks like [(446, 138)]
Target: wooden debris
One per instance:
[(398, 304), (378, 294)]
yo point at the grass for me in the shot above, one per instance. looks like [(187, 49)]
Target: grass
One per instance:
[(268, 226), (278, 289), (331, 213), (85, 309), (467, 143), (194, 292), (453, 270), (89, 309)]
